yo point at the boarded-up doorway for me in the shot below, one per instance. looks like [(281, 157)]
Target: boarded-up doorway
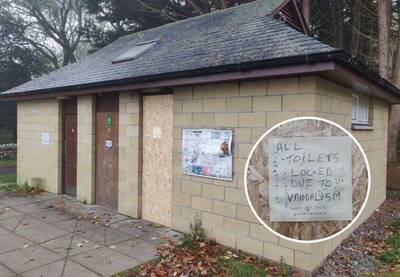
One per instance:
[(107, 151), (157, 158), (70, 145)]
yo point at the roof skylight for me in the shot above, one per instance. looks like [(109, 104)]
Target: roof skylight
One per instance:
[(135, 52)]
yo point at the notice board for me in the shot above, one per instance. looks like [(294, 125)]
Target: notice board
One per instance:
[(207, 152), (310, 179)]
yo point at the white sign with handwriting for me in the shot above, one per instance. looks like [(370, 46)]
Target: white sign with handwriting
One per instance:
[(45, 138), (310, 179)]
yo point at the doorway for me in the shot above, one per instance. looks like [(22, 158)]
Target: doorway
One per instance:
[(70, 145), (107, 151), (157, 158)]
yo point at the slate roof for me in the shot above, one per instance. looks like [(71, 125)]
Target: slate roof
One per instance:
[(234, 36)]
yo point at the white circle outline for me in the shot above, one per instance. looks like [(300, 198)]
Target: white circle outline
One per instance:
[(354, 140)]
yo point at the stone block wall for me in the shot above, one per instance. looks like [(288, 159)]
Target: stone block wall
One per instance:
[(335, 103), (250, 108), (86, 147), (130, 149), (34, 159)]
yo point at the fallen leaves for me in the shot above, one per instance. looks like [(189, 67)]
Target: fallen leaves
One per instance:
[(201, 258), (359, 253)]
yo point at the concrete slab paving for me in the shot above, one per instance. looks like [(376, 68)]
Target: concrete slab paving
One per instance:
[(9, 213), (42, 233), (6, 272), (13, 200), (113, 236), (29, 208), (95, 233), (39, 236), (138, 249), (69, 225), (11, 223), (71, 245), (41, 197), (105, 261), (28, 222), (61, 268), (24, 259), (51, 215), (10, 241)]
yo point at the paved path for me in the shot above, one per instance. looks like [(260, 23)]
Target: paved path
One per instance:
[(39, 240)]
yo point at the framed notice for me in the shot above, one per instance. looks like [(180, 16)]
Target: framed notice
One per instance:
[(207, 153), (310, 179)]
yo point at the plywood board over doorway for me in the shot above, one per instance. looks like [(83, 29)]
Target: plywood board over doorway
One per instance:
[(70, 145), (107, 151), (157, 158)]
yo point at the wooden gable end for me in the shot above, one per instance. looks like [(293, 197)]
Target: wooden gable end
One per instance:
[(290, 13)]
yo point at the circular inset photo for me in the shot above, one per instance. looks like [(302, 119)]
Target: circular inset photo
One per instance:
[(307, 179)]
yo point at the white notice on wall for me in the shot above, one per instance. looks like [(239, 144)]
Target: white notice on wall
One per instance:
[(108, 143), (207, 153), (157, 132), (310, 179), (45, 138)]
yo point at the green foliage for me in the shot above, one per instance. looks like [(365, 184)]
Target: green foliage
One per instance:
[(8, 178), (237, 268), (350, 25), (130, 272), (392, 255), (8, 162), (128, 16), (196, 233), (19, 63), (283, 268), (25, 188), (395, 194), (196, 230)]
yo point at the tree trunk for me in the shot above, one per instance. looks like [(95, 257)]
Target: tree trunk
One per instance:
[(355, 36), (383, 34), (394, 113), (68, 56), (306, 11), (338, 24), (393, 134)]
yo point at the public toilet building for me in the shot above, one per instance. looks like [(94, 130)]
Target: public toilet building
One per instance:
[(108, 128)]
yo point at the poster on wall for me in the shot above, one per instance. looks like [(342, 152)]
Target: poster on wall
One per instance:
[(310, 179), (207, 153)]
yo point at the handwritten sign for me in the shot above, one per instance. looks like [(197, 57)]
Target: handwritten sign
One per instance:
[(310, 179), (45, 138)]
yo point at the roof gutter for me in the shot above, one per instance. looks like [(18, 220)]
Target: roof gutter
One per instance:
[(242, 70)]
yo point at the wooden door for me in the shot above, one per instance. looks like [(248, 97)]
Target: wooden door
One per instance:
[(157, 159), (107, 151), (70, 146)]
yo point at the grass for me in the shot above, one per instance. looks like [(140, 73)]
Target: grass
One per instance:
[(8, 178), (8, 162), (393, 194), (237, 268), (392, 254), (16, 188), (130, 272)]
